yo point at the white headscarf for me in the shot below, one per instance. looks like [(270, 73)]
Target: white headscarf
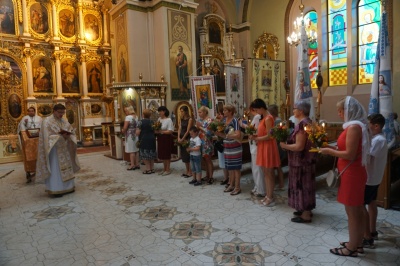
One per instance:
[(354, 114)]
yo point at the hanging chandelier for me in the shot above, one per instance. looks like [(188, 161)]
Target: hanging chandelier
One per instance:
[(298, 24)]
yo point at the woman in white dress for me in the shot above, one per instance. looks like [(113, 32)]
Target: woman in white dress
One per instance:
[(129, 130)]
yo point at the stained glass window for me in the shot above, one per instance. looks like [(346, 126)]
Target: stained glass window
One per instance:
[(369, 19), (337, 39), (312, 17)]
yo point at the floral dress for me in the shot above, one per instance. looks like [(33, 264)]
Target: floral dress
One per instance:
[(130, 135), (207, 147)]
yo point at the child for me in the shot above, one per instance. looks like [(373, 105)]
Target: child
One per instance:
[(195, 155), (375, 171)]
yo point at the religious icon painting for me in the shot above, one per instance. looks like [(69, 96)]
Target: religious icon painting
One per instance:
[(266, 78), (122, 64), (45, 110), (69, 76), (180, 58), (7, 14), (92, 27), (39, 18), (67, 22), (203, 94), (14, 106), (42, 75), (94, 77)]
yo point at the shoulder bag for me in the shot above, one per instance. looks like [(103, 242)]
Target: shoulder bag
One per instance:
[(333, 176)]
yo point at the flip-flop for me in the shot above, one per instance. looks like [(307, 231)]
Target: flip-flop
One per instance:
[(148, 172)]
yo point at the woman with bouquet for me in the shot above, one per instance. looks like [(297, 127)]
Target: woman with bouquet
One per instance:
[(164, 139), (258, 175), (185, 123), (352, 150), (207, 145), (267, 150), (221, 159), (301, 187), (232, 149)]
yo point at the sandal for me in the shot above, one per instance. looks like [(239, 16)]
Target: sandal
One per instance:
[(131, 168), (339, 252), (210, 181), (148, 172), (224, 182), (359, 249), (236, 192), (229, 189), (152, 171), (267, 202)]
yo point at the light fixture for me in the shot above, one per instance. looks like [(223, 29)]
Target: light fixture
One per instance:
[(298, 24)]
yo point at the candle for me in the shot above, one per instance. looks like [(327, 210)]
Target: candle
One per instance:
[(280, 124), (323, 125)]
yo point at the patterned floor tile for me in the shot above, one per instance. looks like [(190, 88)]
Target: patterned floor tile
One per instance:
[(53, 212)]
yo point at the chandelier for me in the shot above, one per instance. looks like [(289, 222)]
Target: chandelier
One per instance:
[(298, 24)]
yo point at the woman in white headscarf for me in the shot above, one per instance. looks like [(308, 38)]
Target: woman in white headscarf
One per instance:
[(352, 152)]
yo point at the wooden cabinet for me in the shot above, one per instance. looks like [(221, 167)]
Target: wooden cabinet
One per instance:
[(390, 182)]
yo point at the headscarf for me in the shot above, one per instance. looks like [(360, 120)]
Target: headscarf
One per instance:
[(354, 114)]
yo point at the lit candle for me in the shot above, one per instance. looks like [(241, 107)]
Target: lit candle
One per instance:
[(280, 124), (323, 125)]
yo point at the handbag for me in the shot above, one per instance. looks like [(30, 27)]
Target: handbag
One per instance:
[(219, 145), (333, 176)]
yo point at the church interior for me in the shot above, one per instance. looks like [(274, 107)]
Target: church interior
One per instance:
[(97, 57)]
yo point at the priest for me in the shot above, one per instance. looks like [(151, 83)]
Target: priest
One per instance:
[(57, 160), (28, 130)]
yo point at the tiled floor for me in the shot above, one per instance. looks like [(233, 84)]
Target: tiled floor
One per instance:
[(119, 217)]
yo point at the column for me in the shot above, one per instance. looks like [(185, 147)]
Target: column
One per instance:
[(81, 33), (27, 53), (105, 28), (84, 76), (107, 67), (54, 17), (58, 73), (25, 20)]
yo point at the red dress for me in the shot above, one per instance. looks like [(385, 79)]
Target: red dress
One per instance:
[(267, 150), (354, 178)]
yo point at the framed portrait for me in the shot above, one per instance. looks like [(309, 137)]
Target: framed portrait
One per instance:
[(153, 104), (45, 109), (214, 33), (94, 77), (203, 94), (95, 109), (178, 106), (14, 106), (130, 97), (92, 27), (39, 19), (217, 70), (69, 76), (220, 104), (66, 18), (42, 72), (8, 16)]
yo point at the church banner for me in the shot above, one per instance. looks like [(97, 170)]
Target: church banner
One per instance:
[(303, 85), (235, 87), (203, 94), (381, 99), (267, 83)]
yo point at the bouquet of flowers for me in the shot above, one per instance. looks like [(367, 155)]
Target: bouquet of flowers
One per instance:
[(216, 126), (156, 126), (280, 133), (250, 130), (316, 134), (183, 144)]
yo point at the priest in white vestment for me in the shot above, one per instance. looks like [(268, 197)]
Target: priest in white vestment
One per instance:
[(57, 160), (29, 143)]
